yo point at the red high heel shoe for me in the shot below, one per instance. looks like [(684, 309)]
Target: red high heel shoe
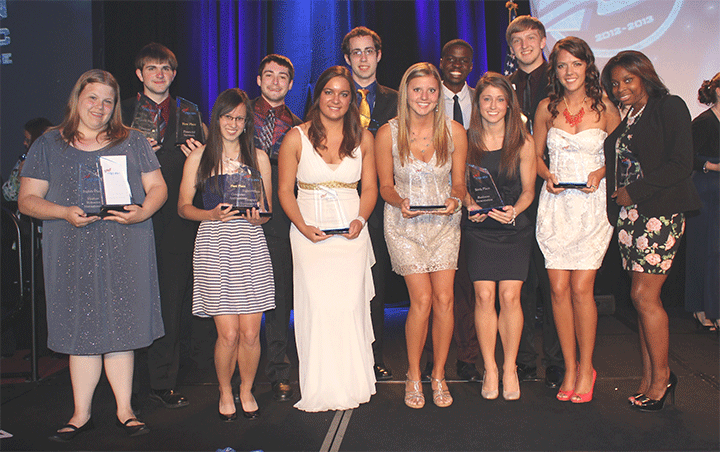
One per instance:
[(584, 398), (564, 396)]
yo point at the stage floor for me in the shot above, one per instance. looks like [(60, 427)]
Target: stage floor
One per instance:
[(31, 411)]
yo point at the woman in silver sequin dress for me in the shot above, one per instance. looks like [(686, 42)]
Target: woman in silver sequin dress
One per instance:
[(100, 274), (423, 244)]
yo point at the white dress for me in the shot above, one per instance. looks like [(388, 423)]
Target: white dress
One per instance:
[(333, 287), (573, 230)]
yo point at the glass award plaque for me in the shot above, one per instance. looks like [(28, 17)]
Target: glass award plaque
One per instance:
[(574, 173), (424, 189), (331, 216), (627, 169), (146, 118), (244, 190), (104, 186), (482, 189), (189, 122)]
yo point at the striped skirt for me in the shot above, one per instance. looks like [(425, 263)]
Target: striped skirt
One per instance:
[(232, 270)]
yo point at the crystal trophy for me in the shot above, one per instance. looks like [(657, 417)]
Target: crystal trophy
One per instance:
[(104, 187), (424, 189), (482, 189), (189, 122), (573, 174), (146, 118), (331, 216), (244, 190), (627, 169)]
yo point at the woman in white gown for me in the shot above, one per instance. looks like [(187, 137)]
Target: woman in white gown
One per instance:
[(572, 226), (332, 253)]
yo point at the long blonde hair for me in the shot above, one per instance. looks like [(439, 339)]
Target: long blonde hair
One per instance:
[(440, 130)]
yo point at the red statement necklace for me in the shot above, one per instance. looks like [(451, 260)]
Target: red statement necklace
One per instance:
[(575, 119)]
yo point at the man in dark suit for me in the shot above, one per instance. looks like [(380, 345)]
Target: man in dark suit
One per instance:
[(456, 63), (156, 67), (273, 119), (526, 37), (362, 48)]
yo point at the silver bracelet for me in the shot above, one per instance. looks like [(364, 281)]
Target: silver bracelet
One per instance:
[(361, 220), (705, 169), (459, 206), (512, 221)]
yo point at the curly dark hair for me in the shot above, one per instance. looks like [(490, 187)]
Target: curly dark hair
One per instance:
[(581, 50), (707, 94)]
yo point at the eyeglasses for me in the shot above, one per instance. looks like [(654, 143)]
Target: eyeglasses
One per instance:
[(369, 51), (229, 118)]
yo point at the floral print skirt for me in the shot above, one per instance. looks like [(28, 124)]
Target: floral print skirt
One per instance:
[(648, 244)]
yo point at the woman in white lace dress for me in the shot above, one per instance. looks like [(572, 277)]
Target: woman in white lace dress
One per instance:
[(423, 244), (572, 229)]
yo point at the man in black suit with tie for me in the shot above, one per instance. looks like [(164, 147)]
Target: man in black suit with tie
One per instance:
[(273, 119), (362, 48), (156, 67), (526, 37)]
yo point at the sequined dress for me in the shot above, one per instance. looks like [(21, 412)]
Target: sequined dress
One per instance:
[(333, 287), (425, 243), (101, 279), (232, 273), (572, 229)]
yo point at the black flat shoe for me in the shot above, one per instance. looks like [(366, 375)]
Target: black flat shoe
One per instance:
[(133, 430), (63, 437), (250, 414), (169, 398), (647, 404), (227, 417)]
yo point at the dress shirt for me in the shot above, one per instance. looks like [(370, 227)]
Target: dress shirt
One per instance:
[(521, 83), (465, 103), (283, 123)]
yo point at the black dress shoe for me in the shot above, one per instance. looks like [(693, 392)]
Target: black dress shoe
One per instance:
[(169, 398), (425, 374), (63, 437), (526, 373), (554, 376), (133, 430), (382, 373), (283, 391), (468, 371)]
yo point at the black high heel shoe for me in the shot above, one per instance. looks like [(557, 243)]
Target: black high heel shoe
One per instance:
[(647, 404), (63, 437)]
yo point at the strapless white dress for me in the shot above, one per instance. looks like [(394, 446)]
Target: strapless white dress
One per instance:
[(573, 230)]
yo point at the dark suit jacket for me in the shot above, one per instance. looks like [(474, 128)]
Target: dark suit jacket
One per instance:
[(540, 94), (279, 225), (385, 109), (171, 232), (662, 143)]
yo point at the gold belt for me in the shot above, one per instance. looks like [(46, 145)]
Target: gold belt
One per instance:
[(328, 184)]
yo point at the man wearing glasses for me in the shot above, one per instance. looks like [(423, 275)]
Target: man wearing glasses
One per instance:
[(362, 48)]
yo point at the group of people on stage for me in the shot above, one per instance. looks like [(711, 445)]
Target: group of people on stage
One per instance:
[(343, 190)]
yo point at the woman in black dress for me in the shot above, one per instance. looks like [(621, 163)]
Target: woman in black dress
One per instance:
[(498, 142), (649, 159), (702, 272)]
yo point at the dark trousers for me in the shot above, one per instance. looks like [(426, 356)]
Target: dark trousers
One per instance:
[(464, 332), (277, 321), (380, 272), (538, 279), (176, 282)]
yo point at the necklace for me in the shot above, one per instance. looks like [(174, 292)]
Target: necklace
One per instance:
[(425, 141), (633, 117), (231, 163), (575, 119)]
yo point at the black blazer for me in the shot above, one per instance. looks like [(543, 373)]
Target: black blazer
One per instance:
[(279, 225), (662, 143), (171, 232)]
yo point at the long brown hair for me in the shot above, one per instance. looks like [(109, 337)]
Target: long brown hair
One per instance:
[(440, 130), (114, 131), (514, 129), (211, 160), (580, 50), (352, 129)]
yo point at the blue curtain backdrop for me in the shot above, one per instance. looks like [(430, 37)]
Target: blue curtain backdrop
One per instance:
[(219, 44), (232, 37)]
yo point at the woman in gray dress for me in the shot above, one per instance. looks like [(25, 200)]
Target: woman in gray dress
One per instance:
[(100, 273)]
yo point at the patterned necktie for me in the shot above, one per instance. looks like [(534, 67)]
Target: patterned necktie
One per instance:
[(457, 111), (161, 124), (267, 132), (364, 108)]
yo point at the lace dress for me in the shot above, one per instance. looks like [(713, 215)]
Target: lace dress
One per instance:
[(426, 243), (573, 230)]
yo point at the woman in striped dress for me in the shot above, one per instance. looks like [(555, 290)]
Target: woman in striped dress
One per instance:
[(233, 279)]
